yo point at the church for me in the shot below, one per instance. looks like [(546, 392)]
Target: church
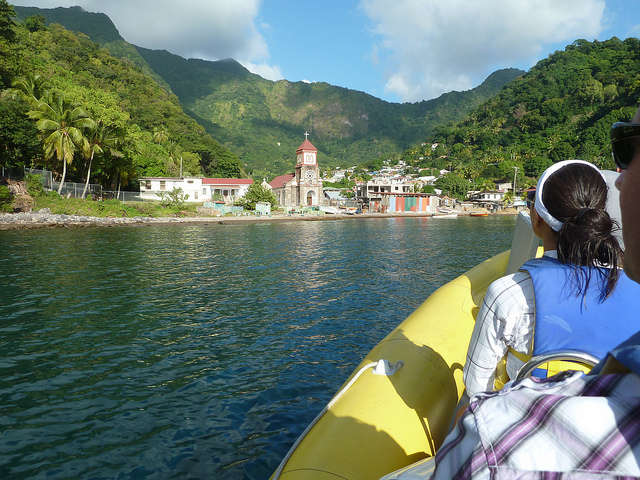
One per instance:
[(303, 187)]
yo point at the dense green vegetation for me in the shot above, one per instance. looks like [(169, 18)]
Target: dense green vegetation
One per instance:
[(263, 121), (111, 208), (48, 66), (257, 193), (562, 108)]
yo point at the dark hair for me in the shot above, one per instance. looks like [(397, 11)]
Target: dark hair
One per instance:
[(577, 196)]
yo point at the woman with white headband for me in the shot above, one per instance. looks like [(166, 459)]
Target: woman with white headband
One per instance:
[(575, 297)]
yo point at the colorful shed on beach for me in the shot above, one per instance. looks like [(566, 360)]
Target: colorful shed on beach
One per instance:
[(406, 202)]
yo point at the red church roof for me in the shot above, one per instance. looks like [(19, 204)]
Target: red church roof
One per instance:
[(306, 145), (227, 181), (281, 181)]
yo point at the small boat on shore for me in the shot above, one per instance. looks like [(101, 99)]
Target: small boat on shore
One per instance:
[(396, 407), (478, 214), (445, 215)]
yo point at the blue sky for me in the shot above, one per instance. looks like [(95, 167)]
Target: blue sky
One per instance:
[(397, 50)]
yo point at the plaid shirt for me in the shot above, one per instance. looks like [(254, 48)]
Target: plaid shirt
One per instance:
[(506, 320), (570, 426)]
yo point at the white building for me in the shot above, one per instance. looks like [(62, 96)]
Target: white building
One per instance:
[(195, 188), (488, 196), (371, 191), (504, 186), (230, 189)]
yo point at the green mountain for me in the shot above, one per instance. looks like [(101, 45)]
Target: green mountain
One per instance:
[(263, 121), (97, 26), (113, 90), (562, 108)]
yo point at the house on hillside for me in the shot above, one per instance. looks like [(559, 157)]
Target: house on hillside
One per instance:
[(492, 201), (503, 186)]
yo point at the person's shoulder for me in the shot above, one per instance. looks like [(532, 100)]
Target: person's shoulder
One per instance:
[(513, 282)]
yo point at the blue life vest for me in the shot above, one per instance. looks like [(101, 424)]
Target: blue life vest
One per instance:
[(566, 321)]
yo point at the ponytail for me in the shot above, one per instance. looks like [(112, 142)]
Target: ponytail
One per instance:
[(577, 195), (587, 239)]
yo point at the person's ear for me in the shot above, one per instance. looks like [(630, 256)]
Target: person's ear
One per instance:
[(535, 218)]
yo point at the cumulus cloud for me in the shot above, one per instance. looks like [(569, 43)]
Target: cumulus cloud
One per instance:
[(197, 29), (269, 72), (433, 46)]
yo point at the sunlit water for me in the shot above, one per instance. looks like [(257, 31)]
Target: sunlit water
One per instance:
[(201, 351)]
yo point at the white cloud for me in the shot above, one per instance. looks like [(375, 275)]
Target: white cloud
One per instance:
[(195, 29), (265, 71), (433, 46)]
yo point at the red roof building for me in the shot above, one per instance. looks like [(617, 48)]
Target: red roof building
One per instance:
[(227, 181), (282, 180)]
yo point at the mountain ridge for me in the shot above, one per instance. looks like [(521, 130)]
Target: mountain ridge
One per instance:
[(262, 120)]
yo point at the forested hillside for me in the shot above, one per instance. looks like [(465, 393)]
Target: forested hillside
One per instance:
[(155, 133), (562, 108), (263, 121)]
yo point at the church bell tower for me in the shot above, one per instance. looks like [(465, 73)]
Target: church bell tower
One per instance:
[(308, 174)]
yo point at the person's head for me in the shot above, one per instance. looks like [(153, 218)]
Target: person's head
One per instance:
[(625, 141), (570, 204)]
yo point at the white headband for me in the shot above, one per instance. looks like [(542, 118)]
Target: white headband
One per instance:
[(553, 222)]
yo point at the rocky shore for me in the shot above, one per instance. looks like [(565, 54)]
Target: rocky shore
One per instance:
[(44, 218)]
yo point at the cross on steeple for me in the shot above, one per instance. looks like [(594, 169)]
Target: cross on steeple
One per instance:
[(306, 135)]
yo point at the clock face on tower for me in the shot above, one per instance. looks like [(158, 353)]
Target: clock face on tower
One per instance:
[(309, 175)]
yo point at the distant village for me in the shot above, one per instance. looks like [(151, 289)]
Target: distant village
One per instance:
[(389, 190)]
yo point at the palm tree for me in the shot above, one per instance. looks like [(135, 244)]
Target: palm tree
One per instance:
[(62, 126), (31, 87), (100, 137), (160, 134)]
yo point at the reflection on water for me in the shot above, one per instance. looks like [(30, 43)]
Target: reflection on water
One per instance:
[(200, 351)]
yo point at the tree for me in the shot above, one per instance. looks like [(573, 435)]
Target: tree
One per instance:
[(100, 137), (508, 198), (31, 87), (174, 198), (257, 193), (19, 143), (6, 21), (453, 185), (534, 166), (224, 166), (61, 126), (160, 134), (35, 23)]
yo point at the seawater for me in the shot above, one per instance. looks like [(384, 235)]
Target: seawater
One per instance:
[(185, 351)]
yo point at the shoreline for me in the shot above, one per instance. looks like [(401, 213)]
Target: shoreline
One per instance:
[(18, 221)]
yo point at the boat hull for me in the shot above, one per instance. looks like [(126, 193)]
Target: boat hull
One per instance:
[(383, 423)]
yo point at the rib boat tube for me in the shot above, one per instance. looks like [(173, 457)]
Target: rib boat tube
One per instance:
[(396, 407)]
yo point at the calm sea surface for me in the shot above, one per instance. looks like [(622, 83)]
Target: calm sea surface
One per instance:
[(201, 351)]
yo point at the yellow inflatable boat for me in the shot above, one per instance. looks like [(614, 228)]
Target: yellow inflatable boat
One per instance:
[(397, 406)]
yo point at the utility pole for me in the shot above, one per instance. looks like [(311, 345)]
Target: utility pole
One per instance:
[(515, 172)]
